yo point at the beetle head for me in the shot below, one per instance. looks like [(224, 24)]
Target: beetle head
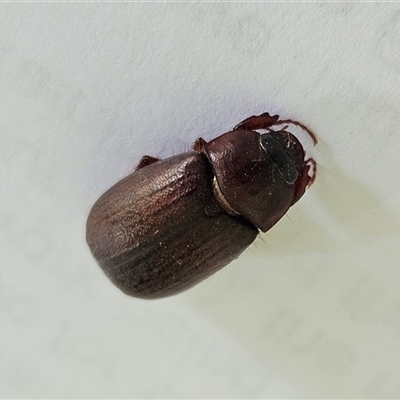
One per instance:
[(285, 152)]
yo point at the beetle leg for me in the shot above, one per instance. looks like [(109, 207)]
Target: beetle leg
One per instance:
[(304, 180), (313, 164), (255, 122), (145, 161), (265, 121), (198, 145)]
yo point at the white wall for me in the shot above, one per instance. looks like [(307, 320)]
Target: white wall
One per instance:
[(311, 309)]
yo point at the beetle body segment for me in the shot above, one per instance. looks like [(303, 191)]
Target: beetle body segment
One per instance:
[(174, 222), (249, 180), (151, 234)]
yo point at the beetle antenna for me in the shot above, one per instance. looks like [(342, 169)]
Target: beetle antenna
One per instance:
[(300, 125)]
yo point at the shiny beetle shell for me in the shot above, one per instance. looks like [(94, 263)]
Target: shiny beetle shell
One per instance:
[(174, 222)]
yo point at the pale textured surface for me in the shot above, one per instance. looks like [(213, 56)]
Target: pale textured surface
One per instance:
[(310, 310)]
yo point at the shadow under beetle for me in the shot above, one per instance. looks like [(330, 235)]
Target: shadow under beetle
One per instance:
[(174, 222)]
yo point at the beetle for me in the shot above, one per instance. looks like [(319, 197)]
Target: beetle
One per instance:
[(174, 222)]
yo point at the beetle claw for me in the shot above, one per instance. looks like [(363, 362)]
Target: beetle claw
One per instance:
[(311, 162), (304, 181)]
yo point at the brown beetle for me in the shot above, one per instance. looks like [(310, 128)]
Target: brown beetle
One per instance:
[(174, 222)]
